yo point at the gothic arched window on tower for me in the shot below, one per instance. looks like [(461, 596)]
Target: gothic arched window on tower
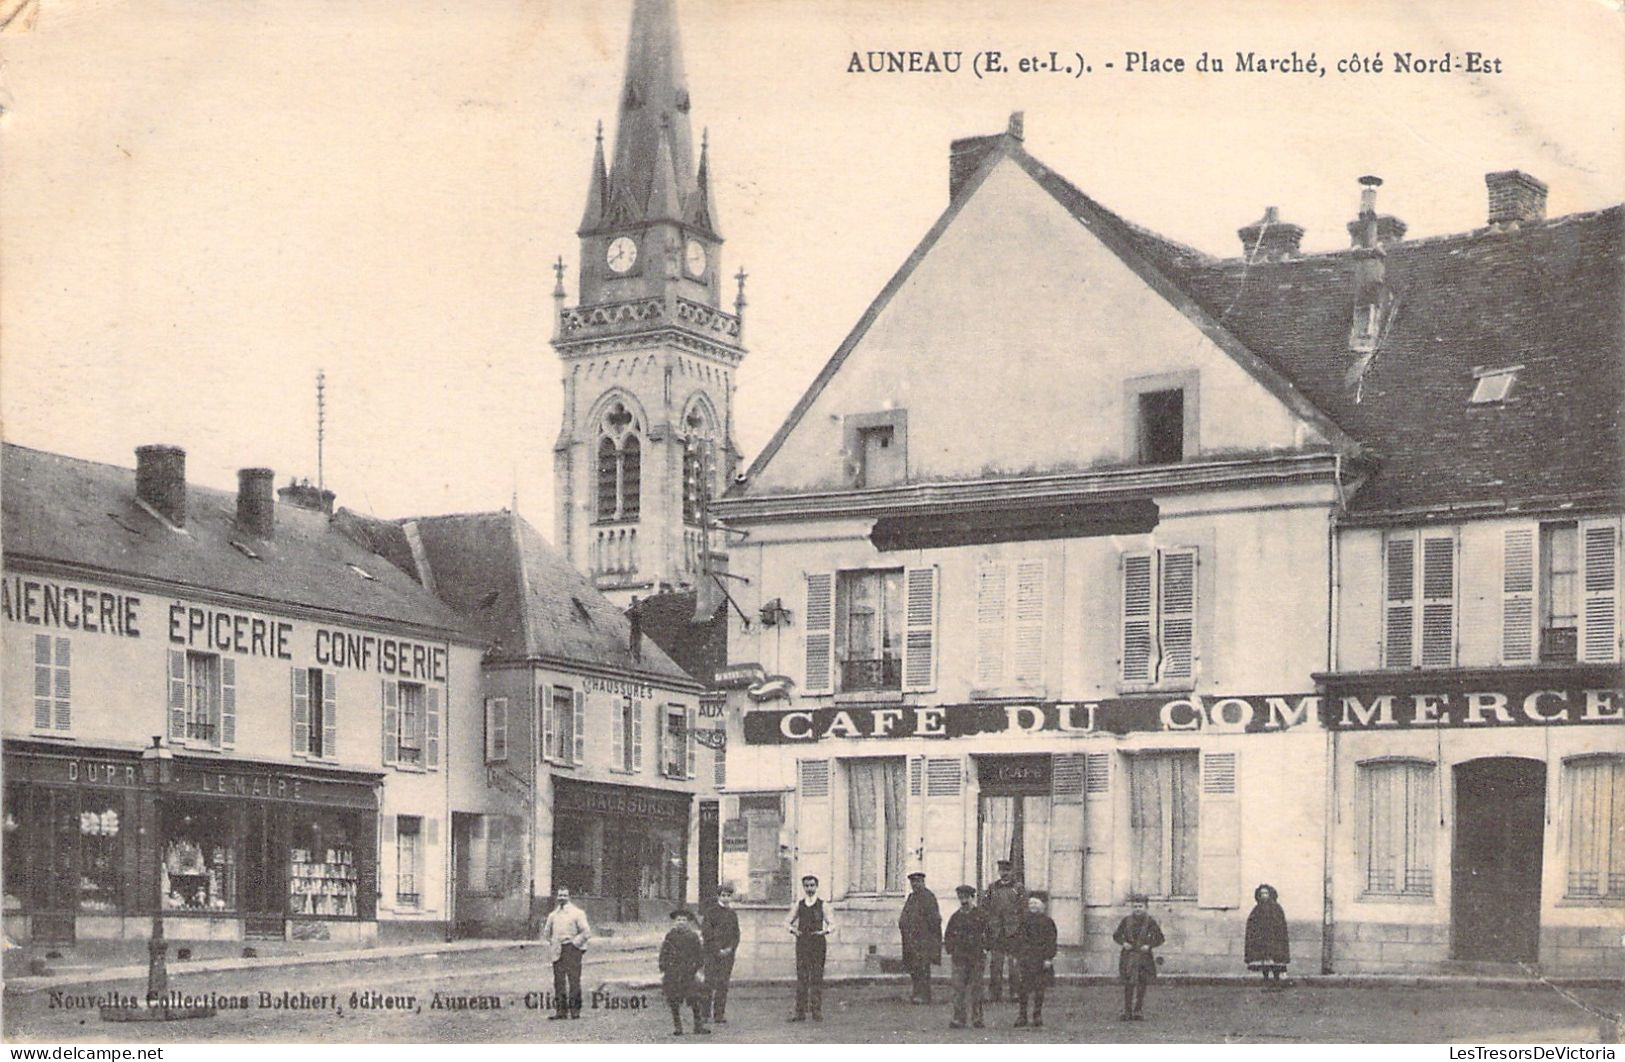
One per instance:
[(620, 472)]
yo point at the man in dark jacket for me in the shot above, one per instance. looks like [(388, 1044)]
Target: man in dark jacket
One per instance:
[(1035, 958), (921, 924), (721, 931), (1005, 904), (681, 957), (965, 941), (1138, 934)]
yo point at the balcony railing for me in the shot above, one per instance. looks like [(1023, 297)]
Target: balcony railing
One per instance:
[(410, 754), (201, 731), (615, 550), (1559, 645), (883, 674)]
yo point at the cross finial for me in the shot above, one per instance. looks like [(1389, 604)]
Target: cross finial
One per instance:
[(739, 300), (705, 138), (600, 131), (558, 274)]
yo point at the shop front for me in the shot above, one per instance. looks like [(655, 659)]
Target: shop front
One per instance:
[(243, 849), (621, 850)]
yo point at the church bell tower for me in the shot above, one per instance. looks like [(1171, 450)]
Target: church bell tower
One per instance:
[(648, 353)]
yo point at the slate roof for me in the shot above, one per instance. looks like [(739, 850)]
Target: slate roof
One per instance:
[(1549, 296), (699, 647), (520, 596), (84, 514)]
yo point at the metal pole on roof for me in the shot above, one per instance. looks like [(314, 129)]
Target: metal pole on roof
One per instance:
[(321, 425)]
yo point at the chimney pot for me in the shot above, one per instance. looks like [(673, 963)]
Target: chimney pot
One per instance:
[(160, 480), (1370, 229), (1516, 198), (1269, 239), (256, 506)]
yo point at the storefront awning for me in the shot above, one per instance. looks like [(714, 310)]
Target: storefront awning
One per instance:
[(1020, 521)]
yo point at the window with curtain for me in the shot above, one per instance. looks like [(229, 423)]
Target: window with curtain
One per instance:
[(1163, 823), (869, 629), (877, 823), (1397, 826), (1596, 827), (1016, 828)]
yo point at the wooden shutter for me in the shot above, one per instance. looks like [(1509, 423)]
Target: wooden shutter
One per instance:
[(1068, 844), (814, 823), (992, 588), (1599, 554), (496, 729), (177, 695), (228, 701), (920, 629), (1138, 612), (427, 899), (617, 734), (1027, 625), (1218, 882), (1518, 595), (392, 721), (1399, 601), (546, 693), (578, 728), (386, 859), (330, 714), (299, 679), (43, 680), (431, 726), (820, 632), (1098, 886), (637, 736), (62, 685), (1438, 600), (1176, 615), (945, 826), (689, 741), (662, 724)]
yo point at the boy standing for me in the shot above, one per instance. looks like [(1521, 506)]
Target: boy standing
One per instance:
[(1136, 965), (966, 941), (681, 957), (721, 932), (810, 923), (1035, 942)]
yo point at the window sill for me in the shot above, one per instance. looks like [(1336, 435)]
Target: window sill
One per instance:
[(1412, 898), (1591, 901), (1011, 693), (882, 697), (562, 764), (1130, 688), (51, 735)]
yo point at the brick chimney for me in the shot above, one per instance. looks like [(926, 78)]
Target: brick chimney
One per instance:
[(1516, 199), (1269, 239), (256, 506), (1371, 229), (966, 155), (1371, 295), (306, 495), (160, 481)]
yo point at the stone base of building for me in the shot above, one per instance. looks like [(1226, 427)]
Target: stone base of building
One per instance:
[(1397, 948), (19, 929), (417, 931)]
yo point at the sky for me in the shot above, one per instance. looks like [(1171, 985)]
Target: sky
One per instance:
[(203, 202)]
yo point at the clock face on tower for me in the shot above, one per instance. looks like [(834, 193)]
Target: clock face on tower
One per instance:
[(622, 254), (694, 258)]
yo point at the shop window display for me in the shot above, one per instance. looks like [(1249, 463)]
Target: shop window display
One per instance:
[(15, 863), (322, 869), (101, 834), (200, 859)]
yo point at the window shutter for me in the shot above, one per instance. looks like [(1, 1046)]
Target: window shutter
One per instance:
[(688, 738), (493, 852), (920, 629), (392, 722), (1518, 596), (228, 701), (1599, 546), (1067, 771), (813, 821), (546, 696), (1027, 635), (1138, 609), (496, 729), (43, 681), (617, 735), (1098, 886), (820, 628), (431, 836), (1068, 844), (945, 829), (1438, 601), (1399, 597), (330, 714), (388, 831), (1176, 615), (300, 682), (1218, 882), (578, 734), (662, 724), (61, 684), (992, 586), (916, 776), (177, 695), (431, 726), (637, 736)]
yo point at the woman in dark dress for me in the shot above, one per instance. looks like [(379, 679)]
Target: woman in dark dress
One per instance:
[(1267, 949)]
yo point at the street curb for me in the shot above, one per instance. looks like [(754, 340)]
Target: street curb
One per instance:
[(1213, 981), (27, 985)]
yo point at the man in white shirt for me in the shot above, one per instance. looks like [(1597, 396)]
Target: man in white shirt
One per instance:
[(810, 923), (566, 933)]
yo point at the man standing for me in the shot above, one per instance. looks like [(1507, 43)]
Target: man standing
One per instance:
[(1136, 965), (681, 956), (921, 923), (1035, 958), (809, 923), (721, 929), (966, 944), (566, 933), (1005, 904)]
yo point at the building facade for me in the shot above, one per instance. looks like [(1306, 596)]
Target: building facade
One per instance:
[(301, 687), (648, 352)]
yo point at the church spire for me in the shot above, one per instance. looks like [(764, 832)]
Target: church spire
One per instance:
[(598, 188), (654, 112), (701, 211)]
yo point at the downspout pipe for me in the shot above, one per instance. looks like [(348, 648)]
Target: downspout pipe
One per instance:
[(1328, 922)]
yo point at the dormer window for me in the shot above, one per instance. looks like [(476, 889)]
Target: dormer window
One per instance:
[(1160, 418), (1493, 385), (620, 465)]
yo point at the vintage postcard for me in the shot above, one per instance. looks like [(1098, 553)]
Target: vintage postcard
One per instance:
[(813, 521)]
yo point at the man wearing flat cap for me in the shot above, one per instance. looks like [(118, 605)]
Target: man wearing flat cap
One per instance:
[(810, 923), (965, 941), (1006, 905), (921, 924)]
